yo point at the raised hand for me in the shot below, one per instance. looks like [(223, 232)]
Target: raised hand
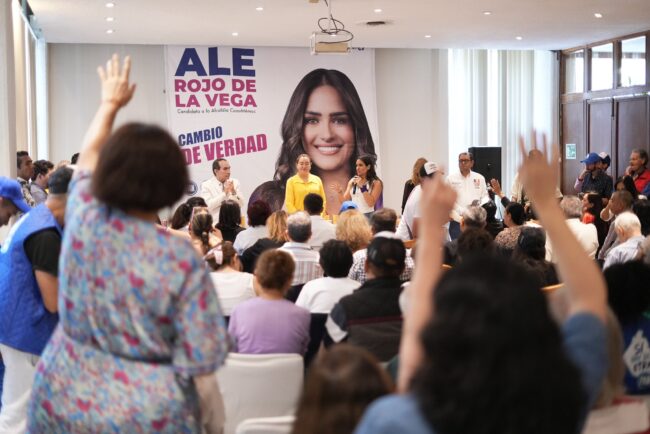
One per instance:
[(436, 203), (496, 187), (539, 173), (115, 82)]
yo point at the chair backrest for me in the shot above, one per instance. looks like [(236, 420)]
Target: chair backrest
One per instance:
[(254, 386), (266, 425)]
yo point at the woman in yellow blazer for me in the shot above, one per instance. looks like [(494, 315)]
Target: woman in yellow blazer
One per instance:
[(301, 184)]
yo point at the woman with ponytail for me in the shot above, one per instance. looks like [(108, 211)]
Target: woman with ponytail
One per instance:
[(203, 235), (232, 285)]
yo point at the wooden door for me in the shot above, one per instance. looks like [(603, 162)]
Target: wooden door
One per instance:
[(573, 121), (632, 129)]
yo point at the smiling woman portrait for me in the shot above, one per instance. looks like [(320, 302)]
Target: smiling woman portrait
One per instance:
[(325, 120)]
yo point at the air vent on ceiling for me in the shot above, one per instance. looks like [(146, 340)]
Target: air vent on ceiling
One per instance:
[(375, 23)]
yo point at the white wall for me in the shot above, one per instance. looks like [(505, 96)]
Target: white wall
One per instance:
[(411, 103), (74, 92)]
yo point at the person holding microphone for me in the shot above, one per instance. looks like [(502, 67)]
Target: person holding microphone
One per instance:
[(365, 188)]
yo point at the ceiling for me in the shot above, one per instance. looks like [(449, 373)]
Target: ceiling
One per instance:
[(541, 24)]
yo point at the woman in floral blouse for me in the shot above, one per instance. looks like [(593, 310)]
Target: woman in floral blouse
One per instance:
[(140, 326)]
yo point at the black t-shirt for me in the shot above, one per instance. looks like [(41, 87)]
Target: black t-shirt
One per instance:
[(42, 249)]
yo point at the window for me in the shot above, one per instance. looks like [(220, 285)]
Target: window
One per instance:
[(633, 61), (574, 71), (602, 66)]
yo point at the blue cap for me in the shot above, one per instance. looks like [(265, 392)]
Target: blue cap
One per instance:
[(10, 189), (348, 204), (592, 158)]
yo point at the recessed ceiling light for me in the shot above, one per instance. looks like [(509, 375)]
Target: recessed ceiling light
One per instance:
[(110, 31), (519, 38), (487, 13), (110, 19), (110, 5), (427, 36), (598, 15), (259, 9), (378, 11), (235, 34)]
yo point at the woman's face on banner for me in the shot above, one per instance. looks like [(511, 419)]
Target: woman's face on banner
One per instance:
[(328, 136)]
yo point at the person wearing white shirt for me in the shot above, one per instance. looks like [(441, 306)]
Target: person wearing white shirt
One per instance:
[(407, 228), (258, 212), (320, 295), (470, 187), (321, 229), (232, 286), (628, 231), (586, 234), (220, 188)]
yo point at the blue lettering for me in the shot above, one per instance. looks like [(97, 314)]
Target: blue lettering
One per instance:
[(239, 62), (190, 62), (213, 59)]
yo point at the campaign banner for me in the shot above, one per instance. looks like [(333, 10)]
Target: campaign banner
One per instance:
[(258, 108)]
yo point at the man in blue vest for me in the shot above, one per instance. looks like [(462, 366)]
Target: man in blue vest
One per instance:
[(11, 200), (28, 297)]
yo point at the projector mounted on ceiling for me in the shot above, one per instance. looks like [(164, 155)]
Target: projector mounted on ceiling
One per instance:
[(331, 38)]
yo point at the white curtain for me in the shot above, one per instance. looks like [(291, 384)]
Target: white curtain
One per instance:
[(497, 95)]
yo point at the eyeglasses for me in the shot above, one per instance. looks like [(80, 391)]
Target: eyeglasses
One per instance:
[(464, 161)]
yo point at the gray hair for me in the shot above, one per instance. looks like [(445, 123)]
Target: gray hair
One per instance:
[(627, 222), (571, 207), (299, 227), (475, 217)]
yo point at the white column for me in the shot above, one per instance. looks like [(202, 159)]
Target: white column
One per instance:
[(7, 92)]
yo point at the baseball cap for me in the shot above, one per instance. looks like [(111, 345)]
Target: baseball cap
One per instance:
[(592, 158), (347, 205), (387, 253), (605, 157), (10, 189), (428, 169)]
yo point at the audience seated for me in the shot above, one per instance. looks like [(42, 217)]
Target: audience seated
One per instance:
[(229, 220), (269, 323), (258, 212), (621, 202), (181, 217), (531, 253), (473, 216), (276, 225), (339, 386), (305, 258), (628, 233), (353, 228), (232, 285), (513, 220), (202, 234), (321, 229), (465, 336), (587, 234), (493, 226), (474, 242), (320, 295), (370, 317), (382, 223)]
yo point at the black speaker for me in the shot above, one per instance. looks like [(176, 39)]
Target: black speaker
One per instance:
[(487, 161)]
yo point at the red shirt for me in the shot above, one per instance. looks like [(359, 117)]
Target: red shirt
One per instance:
[(640, 181)]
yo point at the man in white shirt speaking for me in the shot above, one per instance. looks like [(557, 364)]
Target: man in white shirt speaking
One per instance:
[(220, 188), (471, 189)]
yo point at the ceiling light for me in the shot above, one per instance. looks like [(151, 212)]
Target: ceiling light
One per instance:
[(235, 34), (259, 9), (598, 15), (110, 5), (110, 19), (487, 13), (427, 36), (110, 31), (378, 11), (519, 38)]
